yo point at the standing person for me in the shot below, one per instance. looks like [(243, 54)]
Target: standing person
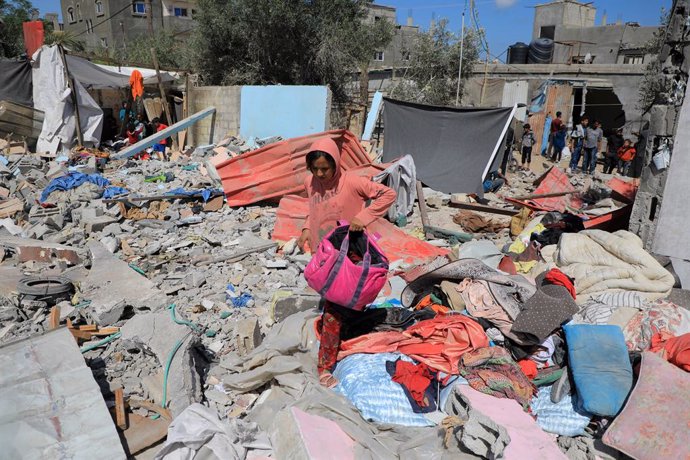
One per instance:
[(556, 125), (126, 113), (159, 148), (335, 195), (528, 142), (578, 136), (508, 153), (626, 155), (559, 143), (592, 145), (614, 143)]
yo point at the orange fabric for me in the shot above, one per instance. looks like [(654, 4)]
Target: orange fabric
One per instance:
[(161, 127), (529, 368), (675, 350), (136, 82), (342, 198), (439, 343), (627, 154), (436, 308)]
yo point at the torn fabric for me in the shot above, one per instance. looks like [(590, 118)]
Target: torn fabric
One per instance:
[(401, 176)]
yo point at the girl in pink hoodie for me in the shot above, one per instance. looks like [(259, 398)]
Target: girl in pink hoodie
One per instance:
[(336, 195)]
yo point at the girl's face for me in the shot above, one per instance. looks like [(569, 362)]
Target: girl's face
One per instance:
[(322, 169)]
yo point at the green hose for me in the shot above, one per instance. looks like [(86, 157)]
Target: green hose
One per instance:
[(184, 322), (100, 343)]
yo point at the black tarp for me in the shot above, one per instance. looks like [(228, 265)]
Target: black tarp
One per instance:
[(15, 82), (452, 148)]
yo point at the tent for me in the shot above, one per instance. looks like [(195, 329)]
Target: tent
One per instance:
[(453, 148), (15, 82), (97, 76)]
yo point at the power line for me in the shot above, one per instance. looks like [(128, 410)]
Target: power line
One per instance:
[(129, 5)]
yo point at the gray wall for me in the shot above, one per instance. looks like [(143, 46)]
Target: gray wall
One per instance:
[(226, 100), (605, 43), (559, 13)]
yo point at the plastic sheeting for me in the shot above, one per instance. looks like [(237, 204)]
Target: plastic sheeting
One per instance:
[(15, 82), (52, 95), (401, 176), (453, 149), (96, 76), (50, 404)]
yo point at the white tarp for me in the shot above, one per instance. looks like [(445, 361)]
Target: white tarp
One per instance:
[(50, 404), (52, 95)]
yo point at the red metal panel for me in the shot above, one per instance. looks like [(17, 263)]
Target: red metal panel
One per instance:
[(33, 36), (395, 243), (279, 169)]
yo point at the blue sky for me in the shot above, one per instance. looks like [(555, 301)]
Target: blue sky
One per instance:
[(510, 21), (505, 21)]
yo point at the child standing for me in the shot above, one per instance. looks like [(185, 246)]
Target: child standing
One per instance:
[(626, 155), (159, 148), (528, 142)]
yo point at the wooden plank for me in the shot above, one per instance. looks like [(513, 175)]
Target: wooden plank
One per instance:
[(164, 98), (126, 199), (120, 413), (80, 335), (422, 208), (54, 319), (143, 433), (483, 208), (22, 110), (88, 327), (543, 195), (106, 331), (160, 135), (153, 407)]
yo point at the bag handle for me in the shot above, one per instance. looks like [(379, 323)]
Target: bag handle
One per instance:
[(344, 246), (362, 279)]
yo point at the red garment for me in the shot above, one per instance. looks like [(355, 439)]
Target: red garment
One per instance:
[(556, 124), (438, 342), (331, 323), (161, 127), (529, 368), (436, 308), (627, 154), (342, 198), (557, 277), (415, 377), (136, 82), (675, 350)]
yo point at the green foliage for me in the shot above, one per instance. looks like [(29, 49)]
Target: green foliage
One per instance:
[(309, 42), (12, 14), (66, 39), (654, 84), (432, 75), (172, 51)]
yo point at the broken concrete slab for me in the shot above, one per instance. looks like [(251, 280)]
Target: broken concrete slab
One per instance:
[(40, 251), (248, 336), (294, 304), (158, 333), (96, 224), (112, 286)]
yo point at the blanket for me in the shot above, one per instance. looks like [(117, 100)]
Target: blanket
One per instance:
[(604, 262)]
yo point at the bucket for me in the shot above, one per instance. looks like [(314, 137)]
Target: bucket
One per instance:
[(661, 160)]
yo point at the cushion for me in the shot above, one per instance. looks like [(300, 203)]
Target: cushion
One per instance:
[(363, 380), (600, 367), (560, 418), (655, 420)]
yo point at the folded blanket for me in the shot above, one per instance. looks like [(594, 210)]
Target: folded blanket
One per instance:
[(604, 262)]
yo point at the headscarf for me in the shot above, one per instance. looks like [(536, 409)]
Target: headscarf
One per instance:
[(328, 146)]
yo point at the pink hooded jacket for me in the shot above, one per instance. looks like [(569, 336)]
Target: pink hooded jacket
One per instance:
[(342, 198)]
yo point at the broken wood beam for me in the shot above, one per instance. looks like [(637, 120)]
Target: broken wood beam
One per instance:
[(482, 208), (422, 208), (120, 413), (163, 134), (54, 319), (153, 407), (543, 195), (126, 199)]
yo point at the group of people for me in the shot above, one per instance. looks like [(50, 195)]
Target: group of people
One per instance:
[(137, 130), (583, 142)]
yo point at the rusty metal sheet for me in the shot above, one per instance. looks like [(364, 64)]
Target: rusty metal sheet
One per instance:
[(279, 169), (559, 98), (395, 243)]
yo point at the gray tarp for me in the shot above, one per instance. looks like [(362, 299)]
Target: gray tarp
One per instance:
[(15, 82), (50, 404), (452, 148), (92, 76)]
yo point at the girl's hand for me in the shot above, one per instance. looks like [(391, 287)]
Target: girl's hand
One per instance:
[(356, 225), (304, 241)]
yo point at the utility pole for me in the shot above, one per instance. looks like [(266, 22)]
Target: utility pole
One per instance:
[(462, 49), (149, 17), (164, 100)]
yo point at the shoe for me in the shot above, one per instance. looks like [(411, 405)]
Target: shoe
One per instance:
[(561, 388)]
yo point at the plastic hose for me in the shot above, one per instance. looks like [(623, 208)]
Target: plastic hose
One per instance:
[(177, 346), (184, 322), (100, 343)]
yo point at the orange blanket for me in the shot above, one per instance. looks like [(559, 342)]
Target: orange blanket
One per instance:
[(439, 343)]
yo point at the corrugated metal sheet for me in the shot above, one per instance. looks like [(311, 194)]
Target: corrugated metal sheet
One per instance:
[(395, 243), (279, 169), (559, 98), (50, 404), (516, 92)]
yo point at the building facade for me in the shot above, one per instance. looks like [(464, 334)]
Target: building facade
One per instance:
[(111, 24), (397, 53)]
